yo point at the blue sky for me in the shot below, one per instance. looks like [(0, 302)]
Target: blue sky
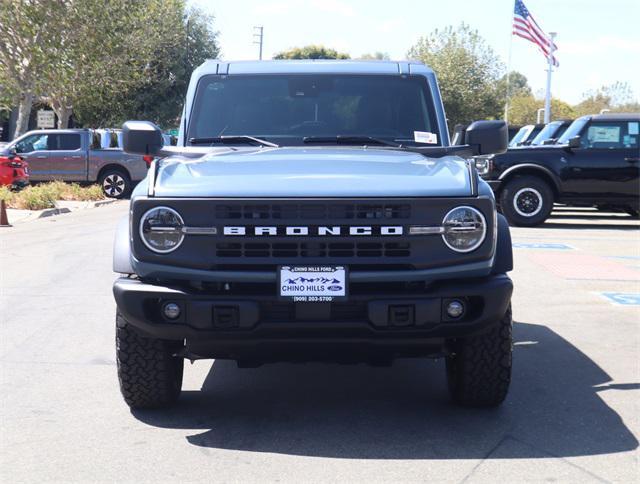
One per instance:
[(598, 40)]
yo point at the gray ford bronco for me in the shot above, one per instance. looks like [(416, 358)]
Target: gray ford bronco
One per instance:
[(313, 211)]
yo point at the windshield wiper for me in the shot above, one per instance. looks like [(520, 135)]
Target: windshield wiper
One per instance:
[(231, 140), (349, 140)]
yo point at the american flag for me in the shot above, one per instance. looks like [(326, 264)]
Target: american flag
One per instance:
[(526, 27)]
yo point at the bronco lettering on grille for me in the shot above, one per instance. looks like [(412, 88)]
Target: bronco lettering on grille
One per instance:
[(321, 231)]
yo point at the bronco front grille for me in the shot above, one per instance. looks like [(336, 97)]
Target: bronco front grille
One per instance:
[(313, 249), (314, 211)]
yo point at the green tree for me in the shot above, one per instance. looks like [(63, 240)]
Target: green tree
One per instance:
[(375, 56), (523, 109), (513, 84), (190, 42), (142, 52), (311, 52), (616, 97), (468, 71), (26, 29), (105, 62)]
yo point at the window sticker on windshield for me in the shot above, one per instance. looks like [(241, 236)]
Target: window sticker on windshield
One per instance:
[(425, 137), (634, 128), (604, 134)]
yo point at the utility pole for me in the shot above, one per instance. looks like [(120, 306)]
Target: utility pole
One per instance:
[(547, 98), (258, 35)]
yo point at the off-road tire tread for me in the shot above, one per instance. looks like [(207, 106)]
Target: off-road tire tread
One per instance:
[(150, 376), (479, 373)]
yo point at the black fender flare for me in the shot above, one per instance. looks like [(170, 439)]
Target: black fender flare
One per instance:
[(546, 172), (503, 261)]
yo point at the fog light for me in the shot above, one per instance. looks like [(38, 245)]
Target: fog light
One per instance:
[(455, 309), (171, 310)]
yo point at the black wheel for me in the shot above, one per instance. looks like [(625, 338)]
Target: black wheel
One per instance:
[(479, 369), (526, 201), (150, 375), (115, 183)]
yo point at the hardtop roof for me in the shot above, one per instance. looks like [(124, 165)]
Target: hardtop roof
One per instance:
[(312, 66)]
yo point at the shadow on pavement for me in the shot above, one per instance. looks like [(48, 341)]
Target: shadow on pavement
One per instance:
[(560, 219), (403, 412)]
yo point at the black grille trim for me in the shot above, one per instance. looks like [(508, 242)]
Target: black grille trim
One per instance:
[(313, 211)]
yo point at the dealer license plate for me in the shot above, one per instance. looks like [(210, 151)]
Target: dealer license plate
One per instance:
[(313, 283)]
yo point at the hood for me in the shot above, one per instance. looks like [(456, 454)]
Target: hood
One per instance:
[(314, 172)]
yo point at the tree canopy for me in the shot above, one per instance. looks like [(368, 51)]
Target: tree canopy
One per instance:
[(375, 56), (616, 97), (468, 72), (311, 52), (104, 62)]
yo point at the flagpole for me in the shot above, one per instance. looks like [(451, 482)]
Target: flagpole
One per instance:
[(506, 102), (547, 97)]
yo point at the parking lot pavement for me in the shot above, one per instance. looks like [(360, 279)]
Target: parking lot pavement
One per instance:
[(572, 413)]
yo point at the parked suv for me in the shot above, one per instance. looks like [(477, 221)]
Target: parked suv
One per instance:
[(313, 210), (79, 155), (596, 162)]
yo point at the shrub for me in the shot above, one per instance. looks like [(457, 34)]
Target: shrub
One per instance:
[(44, 195)]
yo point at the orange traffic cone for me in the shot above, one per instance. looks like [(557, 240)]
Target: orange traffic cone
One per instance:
[(4, 220)]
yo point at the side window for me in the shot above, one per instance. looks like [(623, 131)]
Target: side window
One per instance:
[(632, 138), (36, 142), (64, 142), (605, 136)]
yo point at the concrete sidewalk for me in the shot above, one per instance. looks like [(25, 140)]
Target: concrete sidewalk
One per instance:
[(18, 216)]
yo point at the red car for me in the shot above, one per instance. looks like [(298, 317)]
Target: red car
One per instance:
[(14, 172)]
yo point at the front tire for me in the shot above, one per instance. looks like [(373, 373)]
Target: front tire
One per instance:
[(479, 369), (150, 375), (526, 201), (115, 183)]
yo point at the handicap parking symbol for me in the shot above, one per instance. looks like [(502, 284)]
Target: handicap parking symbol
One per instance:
[(625, 299), (541, 245)]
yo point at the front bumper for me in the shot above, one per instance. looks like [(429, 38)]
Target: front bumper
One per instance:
[(261, 327)]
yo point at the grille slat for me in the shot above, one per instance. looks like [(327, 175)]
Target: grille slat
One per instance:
[(315, 211)]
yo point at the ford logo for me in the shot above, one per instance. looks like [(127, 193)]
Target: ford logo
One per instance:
[(334, 288)]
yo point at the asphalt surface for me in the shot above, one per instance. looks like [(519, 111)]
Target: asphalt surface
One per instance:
[(572, 413)]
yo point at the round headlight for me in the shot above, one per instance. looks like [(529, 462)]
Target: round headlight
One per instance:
[(161, 229), (464, 229)]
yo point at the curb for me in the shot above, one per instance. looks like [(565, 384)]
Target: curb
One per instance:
[(53, 211), (100, 203), (49, 212)]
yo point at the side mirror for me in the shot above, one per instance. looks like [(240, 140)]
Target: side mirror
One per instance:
[(574, 142), (550, 141), (141, 138), (487, 137)]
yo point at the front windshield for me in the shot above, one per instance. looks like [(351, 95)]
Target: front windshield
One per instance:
[(546, 133), (521, 135), (286, 108), (572, 131)]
